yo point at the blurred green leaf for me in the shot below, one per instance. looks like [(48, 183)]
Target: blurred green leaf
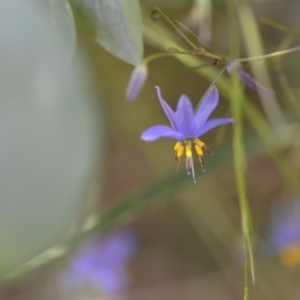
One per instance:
[(61, 16), (280, 26), (114, 24), (237, 99), (254, 46), (49, 132), (202, 16)]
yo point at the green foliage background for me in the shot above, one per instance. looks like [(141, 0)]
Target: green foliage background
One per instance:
[(193, 235)]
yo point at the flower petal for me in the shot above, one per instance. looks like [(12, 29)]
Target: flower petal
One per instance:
[(110, 280), (248, 80), (185, 116), (156, 132), (207, 106), (212, 124), (167, 109), (255, 85)]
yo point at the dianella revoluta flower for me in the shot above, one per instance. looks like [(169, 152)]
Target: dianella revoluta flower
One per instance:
[(284, 232), (187, 126), (248, 80), (102, 264), (136, 81)]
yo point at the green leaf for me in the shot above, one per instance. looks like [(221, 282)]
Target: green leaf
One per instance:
[(237, 99), (114, 24), (280, 26), (49, 132), (254, 46), (61, 16)]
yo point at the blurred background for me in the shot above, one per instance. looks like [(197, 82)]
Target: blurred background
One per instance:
[(183, 240)]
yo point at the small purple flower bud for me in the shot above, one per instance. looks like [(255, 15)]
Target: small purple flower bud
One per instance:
[(248, 80), (136, 81)]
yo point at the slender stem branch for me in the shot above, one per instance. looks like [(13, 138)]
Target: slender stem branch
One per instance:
[(194, 35), (178, 52), (158, 11), (274, 54)]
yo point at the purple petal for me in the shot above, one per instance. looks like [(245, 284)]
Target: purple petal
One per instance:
[(118, 246), (167, 109), (285, 227), (136, 82), (248, 80), (156, 132), (185, 116), (207, 106), (110, 280), (255, 85), (212, 124)]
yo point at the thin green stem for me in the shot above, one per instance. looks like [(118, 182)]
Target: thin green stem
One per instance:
[(274, 54), (157, 56), (194, 35), (179, 52), (239, 160), (157, 11)]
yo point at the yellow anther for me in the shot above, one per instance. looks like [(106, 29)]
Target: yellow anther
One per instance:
[(179, 149), (186, 146), (177, 145), (290, 257), (199, 143), (198, 150), (188, 150), (207, 149)]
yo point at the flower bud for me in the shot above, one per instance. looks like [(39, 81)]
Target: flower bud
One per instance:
[(248, 80), (136, 81)]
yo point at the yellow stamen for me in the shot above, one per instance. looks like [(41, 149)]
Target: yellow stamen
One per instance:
[(198, 150), (188, 150), (177, 145), (290, 257), (186, 146), (207, 149), (202, 162), (179, 149), (202, 145), (178, 160), (199, 143)]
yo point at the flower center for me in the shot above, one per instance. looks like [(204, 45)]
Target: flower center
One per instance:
[(187, 146), (290, 257)]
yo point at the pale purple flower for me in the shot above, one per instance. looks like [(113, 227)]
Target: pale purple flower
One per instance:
[(136, 81), (248, 80), (187, 126), (102, 264), (284, 231)]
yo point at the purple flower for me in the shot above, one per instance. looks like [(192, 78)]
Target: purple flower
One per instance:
[(187, 126), (103, 264), (136, 82), (284, 232), (248, 80)]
